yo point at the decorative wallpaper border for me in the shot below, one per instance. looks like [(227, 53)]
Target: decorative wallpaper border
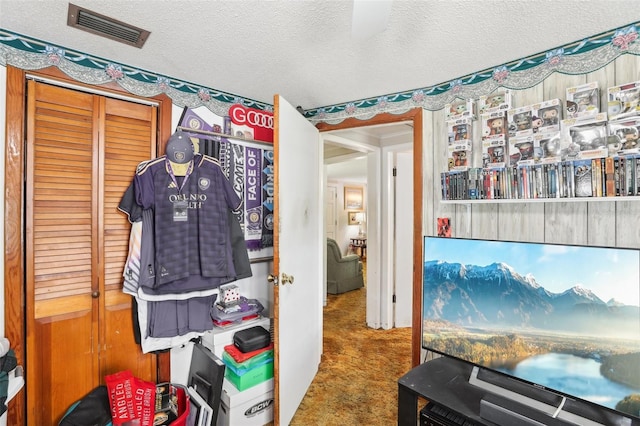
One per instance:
[(579, 57), (30, 54)]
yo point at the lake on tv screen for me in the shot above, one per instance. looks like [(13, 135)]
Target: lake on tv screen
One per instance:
[(565, 317)]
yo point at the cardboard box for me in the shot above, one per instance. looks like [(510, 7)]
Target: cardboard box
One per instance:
[(252, 407), (218, 338)]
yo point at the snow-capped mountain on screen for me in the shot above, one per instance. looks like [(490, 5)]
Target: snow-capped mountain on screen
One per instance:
[(497, 295)]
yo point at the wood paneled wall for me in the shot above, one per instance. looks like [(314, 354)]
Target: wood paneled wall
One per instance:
[(600, 223)]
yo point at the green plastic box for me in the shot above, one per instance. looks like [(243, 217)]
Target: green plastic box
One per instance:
[(250, 378), (253, 362)]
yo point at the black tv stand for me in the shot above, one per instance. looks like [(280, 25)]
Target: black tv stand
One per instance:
[(445, 383)]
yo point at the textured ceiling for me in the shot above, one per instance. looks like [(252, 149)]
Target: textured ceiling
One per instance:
[(304, 50)]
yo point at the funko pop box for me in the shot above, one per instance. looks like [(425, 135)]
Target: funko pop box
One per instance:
[(458, 158), (623, 100), (624, 136), (585, 137), (493, 124), (499, 100), (494, 153), (546, 116), (460, 108), (460, 131), (520, 121), (583, 100)]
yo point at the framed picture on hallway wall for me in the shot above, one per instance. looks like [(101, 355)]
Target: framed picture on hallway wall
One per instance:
[(353, 218), (353, 198)]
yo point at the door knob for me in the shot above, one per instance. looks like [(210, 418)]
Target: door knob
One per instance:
[(95, 294), (287, 279), (272, 279)]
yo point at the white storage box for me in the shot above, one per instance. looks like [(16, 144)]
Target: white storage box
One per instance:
[(252, 407), (218, 338)]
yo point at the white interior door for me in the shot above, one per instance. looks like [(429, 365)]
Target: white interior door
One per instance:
[(298, 254)]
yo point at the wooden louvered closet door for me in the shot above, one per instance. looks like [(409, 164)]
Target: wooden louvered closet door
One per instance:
[(82, 151)]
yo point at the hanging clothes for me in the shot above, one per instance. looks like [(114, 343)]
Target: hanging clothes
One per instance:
[(192, 241), (173, 312)]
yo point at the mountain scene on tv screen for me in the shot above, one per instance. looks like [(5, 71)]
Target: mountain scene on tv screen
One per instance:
[(565, 318), (498, 296)]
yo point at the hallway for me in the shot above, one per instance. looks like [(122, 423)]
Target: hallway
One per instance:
[(357, 378)]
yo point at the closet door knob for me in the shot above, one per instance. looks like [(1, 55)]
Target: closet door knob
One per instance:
[(95, 294), (272, 279)]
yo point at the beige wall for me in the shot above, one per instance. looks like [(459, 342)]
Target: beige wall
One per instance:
[(603, 223)]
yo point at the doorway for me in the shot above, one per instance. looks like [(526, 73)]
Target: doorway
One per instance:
[(376, 295), (393, 143)]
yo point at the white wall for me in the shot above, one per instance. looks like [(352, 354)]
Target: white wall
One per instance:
[(344, 231)]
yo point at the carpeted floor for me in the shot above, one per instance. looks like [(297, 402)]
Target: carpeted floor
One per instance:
[(357, 378)]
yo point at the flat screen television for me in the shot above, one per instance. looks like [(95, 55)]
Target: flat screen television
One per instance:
[(558, 318)]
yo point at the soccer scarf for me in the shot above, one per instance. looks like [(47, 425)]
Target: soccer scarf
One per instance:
[(253, 198), (267, 198)]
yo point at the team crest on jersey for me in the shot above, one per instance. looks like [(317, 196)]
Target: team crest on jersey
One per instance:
[(204, 183)]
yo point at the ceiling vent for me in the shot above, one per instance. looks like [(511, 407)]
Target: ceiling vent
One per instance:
[(104, 26)]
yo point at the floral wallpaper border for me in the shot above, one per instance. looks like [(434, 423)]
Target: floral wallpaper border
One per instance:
[(580, 57), (30, 54)]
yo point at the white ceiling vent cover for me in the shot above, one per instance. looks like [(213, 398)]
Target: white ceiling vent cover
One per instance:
[(104, 26)]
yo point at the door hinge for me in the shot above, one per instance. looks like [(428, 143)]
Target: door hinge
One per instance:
[(394, 299), (395, 172)]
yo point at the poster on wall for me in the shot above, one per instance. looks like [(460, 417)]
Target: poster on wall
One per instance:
[(249, 167), (444, 227)]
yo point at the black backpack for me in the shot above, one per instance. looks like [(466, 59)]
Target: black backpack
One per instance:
[(91, 410)]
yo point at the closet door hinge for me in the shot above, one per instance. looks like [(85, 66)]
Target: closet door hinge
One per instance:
[(393, 298), (395, 172)]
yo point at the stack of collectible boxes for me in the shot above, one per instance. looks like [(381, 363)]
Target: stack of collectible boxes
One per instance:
[(249, 359), (247, 397)]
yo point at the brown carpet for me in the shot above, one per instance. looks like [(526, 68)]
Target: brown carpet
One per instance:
[(357, 378)]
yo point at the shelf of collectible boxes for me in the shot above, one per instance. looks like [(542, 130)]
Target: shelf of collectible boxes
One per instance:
[(602, 179), (600, 161)]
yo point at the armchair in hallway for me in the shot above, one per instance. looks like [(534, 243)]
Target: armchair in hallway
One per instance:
[(344, 273)]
